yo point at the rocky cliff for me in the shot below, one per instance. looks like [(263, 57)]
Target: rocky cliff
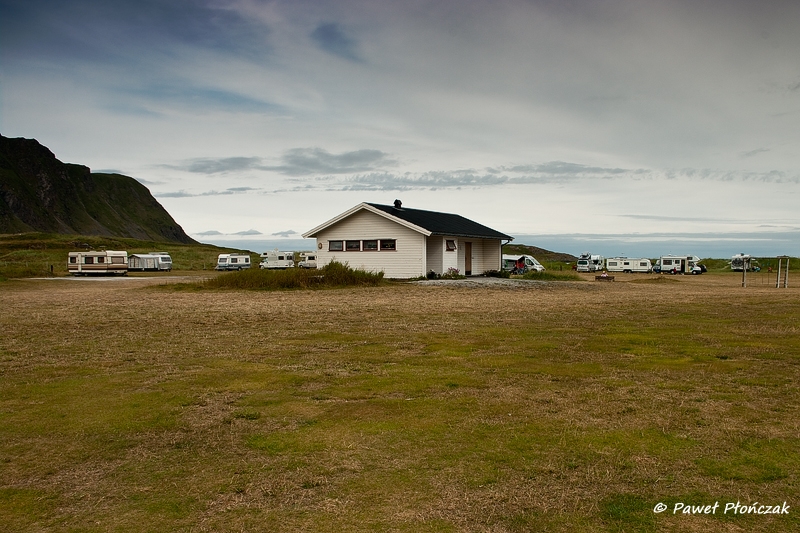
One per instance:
[(40, 193)]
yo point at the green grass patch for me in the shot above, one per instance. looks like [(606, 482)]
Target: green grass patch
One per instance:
[(548, 275)]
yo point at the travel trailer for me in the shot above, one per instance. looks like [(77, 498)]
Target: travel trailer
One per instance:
[(628, 264), (94, 262), (679, 264), (308, 260), (590, 263), (232, 262), (153, 261), (519, 264), (274, 259)]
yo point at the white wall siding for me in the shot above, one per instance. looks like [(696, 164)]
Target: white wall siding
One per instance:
[(435, 245), (407, 261)]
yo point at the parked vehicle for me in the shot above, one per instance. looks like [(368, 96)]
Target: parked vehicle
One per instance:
[(679, 264), (232, 261), (628, 264), (741, 261), (308, 260), (590, 263), (519, 264), (153, 261), (273, 259), (97, 262)]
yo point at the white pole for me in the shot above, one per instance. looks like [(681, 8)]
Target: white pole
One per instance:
[(778, 280)]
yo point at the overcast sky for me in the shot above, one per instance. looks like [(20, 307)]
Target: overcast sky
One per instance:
[(543, 117)]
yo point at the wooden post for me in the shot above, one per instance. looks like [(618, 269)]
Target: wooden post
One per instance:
[(744, 272)]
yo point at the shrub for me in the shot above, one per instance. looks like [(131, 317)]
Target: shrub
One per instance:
[(334, 274)]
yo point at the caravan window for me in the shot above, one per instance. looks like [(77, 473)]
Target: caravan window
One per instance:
[(73, 259), (223, 259), (667, 262), (246, 259), (643, 263), (88, 260), (117, 260), (234, 260), (101, 259), (335, 246)]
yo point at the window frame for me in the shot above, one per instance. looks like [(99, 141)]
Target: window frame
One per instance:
[(336, 246), (387, 245), (349, 246), (376, 247)]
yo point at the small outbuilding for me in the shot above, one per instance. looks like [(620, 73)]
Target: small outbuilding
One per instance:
[(407, 243)]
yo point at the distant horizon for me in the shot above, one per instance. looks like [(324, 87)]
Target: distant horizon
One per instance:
[(704, 245)]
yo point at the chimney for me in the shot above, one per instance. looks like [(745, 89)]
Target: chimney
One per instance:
[(398, 204)]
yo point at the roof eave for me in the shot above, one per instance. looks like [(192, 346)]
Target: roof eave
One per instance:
[(366, 206)]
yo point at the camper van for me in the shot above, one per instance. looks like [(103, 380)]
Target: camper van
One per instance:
[(273, 259), (308, 260), (519, 264), (679, 264), (628, 264), (102, 262), (590, 263), (152, 261), (232, 262), (741, 261)]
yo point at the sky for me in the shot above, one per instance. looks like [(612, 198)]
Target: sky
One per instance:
[(620, 127)]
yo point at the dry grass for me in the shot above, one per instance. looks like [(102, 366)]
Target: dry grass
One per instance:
[(542, 406)]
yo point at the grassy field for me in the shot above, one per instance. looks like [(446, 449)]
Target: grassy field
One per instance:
[(522, 406)]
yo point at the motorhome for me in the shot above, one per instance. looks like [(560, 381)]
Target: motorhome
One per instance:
[(273, 259), (741, 261), (519, 264), (679, 264), (590, 263), (628, 264), (152, 261), (308, 260), (97, 262), (232, 262)]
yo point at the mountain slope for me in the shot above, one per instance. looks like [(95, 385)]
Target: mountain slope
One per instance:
[(40, 193)]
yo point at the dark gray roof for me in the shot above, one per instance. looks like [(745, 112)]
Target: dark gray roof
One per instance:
[(442, 223)]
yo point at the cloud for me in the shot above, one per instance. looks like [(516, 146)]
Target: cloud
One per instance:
[(185, 194), (248, 232), (286, 233), (757, 151), (208, 233), (307, 161), (186, 95), (216, 166), (332, 39)]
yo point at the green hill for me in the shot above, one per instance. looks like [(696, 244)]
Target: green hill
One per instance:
[(39, 193)]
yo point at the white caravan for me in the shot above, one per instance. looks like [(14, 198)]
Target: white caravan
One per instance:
[(679, 264), (102, 262), (273, 259), (628, 264), (158, 261), (232, 262), (741, 261), (512, 263), (590, 263), (308, 260)]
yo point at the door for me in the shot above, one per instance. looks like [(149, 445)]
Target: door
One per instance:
[(467, 258)]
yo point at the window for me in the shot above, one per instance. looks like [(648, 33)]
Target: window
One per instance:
[(352, 246), (117, 260), (88, 260), (101, 259), (370, 246), (667, 262), (643, 263), (223, 260), (234, 260), (335, 246), (73, 259), (450, 245), (388, 244), (246, 259)]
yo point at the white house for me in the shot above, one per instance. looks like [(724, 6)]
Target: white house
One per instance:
[(407, 243)]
